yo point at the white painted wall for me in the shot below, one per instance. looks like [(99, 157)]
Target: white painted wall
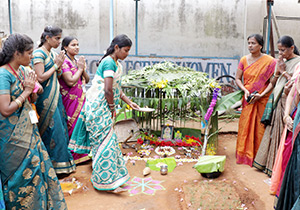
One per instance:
[(202, 28)]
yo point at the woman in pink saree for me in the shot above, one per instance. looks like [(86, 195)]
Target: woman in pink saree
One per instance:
[(71, 86)]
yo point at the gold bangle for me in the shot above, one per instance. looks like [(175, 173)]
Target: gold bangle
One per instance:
[(18, 102), (55, 66), (22, 97), (285, 118), (276, 75), (283, 73)]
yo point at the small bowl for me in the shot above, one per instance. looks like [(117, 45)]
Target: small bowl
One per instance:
[(212, 175), (164, 170)]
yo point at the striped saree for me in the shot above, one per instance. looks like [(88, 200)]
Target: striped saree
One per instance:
[(273, 114), (53, 119)]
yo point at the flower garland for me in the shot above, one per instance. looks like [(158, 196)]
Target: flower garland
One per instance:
[(212, 104), (187, 141), (166, 150), (144, 152), (181, 160)]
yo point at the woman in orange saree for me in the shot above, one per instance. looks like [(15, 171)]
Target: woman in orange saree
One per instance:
[(255, 69)]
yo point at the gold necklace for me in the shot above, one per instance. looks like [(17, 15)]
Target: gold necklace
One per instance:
[(113, 57), (47, 51)]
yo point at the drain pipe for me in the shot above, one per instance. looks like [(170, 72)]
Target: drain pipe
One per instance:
[(9, 14), (270, 3), (136, 26), (111, 20)]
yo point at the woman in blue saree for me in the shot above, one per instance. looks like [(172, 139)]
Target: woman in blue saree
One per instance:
[(53, 118), (94, 128), (27, 175)]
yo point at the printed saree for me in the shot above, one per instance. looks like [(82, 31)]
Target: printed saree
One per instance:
[(94, 131), (73, 99), (290, 187), (273, 118), (256, 78), (28, 178), (53, 120), (2, 204)]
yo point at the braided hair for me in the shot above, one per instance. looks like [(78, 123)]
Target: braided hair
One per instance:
[(49, 31), (66, 41), (14, 42), (121, 40)]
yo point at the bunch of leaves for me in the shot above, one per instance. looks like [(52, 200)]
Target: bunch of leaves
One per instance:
[(170, 78)]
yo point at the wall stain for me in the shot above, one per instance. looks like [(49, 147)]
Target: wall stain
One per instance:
[(68, 18), (219, 23)]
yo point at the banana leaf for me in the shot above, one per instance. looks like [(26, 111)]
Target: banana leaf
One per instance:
[(227, 101)]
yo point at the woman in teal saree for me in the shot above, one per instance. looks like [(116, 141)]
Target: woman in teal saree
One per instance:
[(2, 204), (94, 128), (53, 118), (28, 178)]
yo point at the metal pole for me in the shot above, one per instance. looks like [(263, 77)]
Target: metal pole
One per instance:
[(276, 24), (136, 26), (9, 14), (269, 26), (245, 27), (111, 20)]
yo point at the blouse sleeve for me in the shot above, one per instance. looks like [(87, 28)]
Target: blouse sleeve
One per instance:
[(109, 68), (6, 82), (241, 63), (38, 57), (66, 66)]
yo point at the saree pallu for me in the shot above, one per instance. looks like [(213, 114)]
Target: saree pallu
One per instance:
[(73, 99), (283, 155), (2, 204), (94, 131), (53, 120), (267, 151), (290, 187), (256, 78), (28, 178), (273, 119)]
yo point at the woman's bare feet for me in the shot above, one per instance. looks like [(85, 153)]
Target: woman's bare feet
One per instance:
[(117, 190)]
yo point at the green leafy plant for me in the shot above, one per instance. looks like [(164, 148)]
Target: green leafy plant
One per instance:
[(175, 92)]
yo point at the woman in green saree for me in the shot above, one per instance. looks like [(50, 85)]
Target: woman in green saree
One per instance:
[(53, 118), (94, 128), (28, 178)]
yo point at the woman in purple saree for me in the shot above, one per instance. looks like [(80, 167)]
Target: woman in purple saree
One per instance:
[(71, 86)]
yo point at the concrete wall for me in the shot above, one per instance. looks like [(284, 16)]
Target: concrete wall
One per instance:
[(214, 28)]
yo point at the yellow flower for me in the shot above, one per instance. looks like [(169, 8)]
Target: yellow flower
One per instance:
[(128, 107), (214, 85), (210, 150)]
